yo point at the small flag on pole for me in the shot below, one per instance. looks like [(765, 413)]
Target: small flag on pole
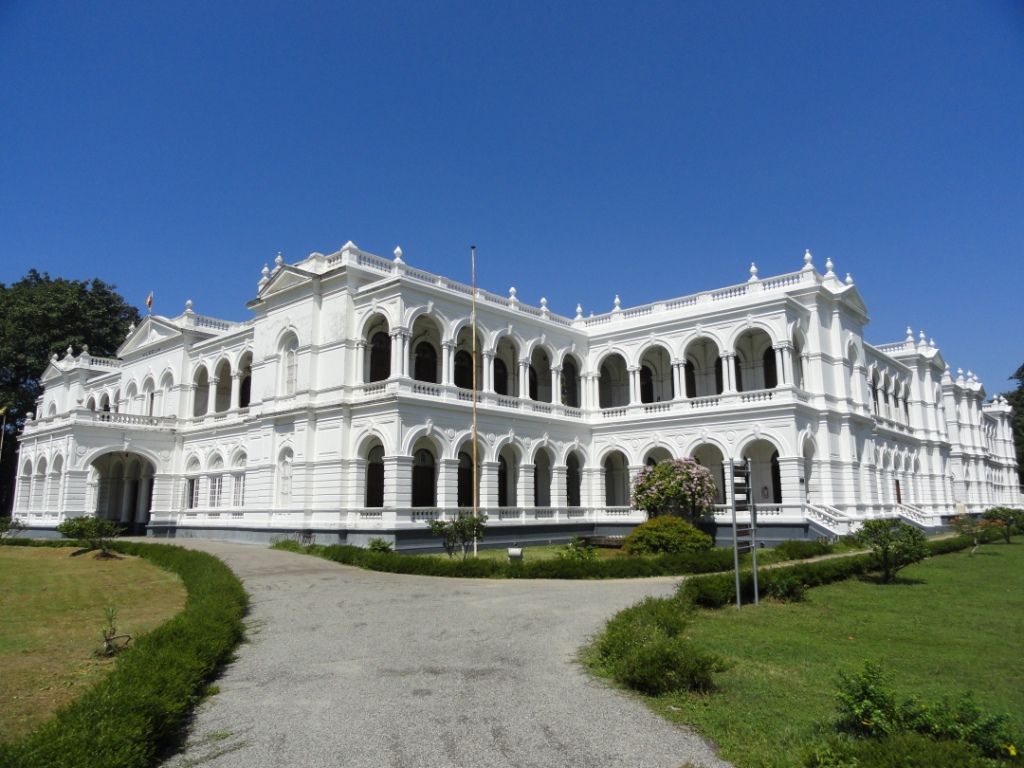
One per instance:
[(149, 303)]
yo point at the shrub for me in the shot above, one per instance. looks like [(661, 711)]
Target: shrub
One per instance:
[(680, 485), (801, 550), (896, 544), (643, 647), (9, 528), (140, 708), (577, 551), (94, 532), (379, 545), (459, 532), (867, 703), (903, 750), (1005, 520), (665, 533), (783, 586)]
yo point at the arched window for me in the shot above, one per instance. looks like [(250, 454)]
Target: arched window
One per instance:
[(500, 376), (570, 383), (200, 392), (613, 382), (289, 365), (465, 492), (616, 480), (424, 479), (718, 375), (573, 480), (245, 380), (425, 364), (375, 477), (771, 373), (238, 482), (691, 380), (646, 385), (542, 479), (463, 369), (222, 396), (380, 356), (532, 382), (503, 482), (216, 484), (738, 370), (191, 484)]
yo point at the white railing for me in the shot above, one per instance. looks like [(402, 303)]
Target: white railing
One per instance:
[(703, 402), (916, 514), (829, 518), (757, 395)]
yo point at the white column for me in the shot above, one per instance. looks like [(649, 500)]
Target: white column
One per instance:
[(488, 372), (634, 385), (446, 362), (558, 491), (488, 484), (360, 362), (524, 380), (236, 388), (728, 373), (211, 395), (781, 374), (524, 491), (556, 384)]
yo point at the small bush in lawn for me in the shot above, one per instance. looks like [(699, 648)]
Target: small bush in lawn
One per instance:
[(664, 664), (96, 532), (867, 703), (636, 625), (666, 534), (577, 551), (379, 545), (903, 750), (1005, 520), (801, 550), (784, 586), (9, 528), (896, 545)]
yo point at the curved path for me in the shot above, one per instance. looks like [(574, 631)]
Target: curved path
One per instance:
[(346, 667)]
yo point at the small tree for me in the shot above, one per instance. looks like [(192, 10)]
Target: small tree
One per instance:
[(679, 486), (95, 532), (969, 525), (460, 532), (895, 543), (1007, 521), (9, 528)]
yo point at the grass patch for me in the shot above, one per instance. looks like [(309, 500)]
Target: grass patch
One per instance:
[(53, 608), (949, 624), (532, 553), (138, 710)]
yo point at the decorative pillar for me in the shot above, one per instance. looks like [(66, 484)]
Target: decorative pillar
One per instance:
[(558, 487), (397, 482), (488, 383), (360, 362), (447, 483), (524, 489), (236, 389), (781, 376), (634, 384), (728, 373), (211, 395), (447, 349), (488, 485), (524, 382), (678, 380), (556, 382)]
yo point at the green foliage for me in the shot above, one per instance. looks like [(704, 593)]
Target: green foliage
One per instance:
[(94, 532), (896, 544), (615, 568), (903, 750), (681, 486), (1004, 520), (643, 647), (1016, 401), (460, 532), (379, 545), (783, 586), (665, 534), (140, 708), (869, 708), (801, 550), (9, 528), (41, 316), (577, 551)]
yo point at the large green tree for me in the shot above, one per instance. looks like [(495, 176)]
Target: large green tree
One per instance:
[(40, 316), (1016, 399)]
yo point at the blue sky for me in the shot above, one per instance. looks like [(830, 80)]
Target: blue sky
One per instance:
[(644, 149)]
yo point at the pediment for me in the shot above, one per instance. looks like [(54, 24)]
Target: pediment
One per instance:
[(151, 331), (52, 372), (285, 279), (853, 298)]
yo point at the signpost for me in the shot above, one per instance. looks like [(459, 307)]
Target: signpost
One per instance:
[(744, 535)]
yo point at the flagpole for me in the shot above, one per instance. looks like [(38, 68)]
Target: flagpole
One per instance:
[(476, 486)]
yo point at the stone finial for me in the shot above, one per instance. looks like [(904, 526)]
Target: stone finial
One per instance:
[(931, 343), (808, 259), (131, 330), (579, 312), (53, 358), (970, 375), (849, 279), (398, 255), (617, 304), (544, 306), (512, 296), (753, 271), (69, 352), (188, 307), (921, 339), (85, 349), (264, 276), (278, 261), (829, 266), (910, 334)]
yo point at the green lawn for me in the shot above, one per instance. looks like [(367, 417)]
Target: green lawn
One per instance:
[(953, 623), (52, 605), (532, 552)]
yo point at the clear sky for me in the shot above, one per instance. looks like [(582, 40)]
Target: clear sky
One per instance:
[(646, 149)]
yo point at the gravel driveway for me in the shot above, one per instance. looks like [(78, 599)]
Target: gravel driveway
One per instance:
[(345, 667)]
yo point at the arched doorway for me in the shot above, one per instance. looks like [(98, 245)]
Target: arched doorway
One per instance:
[(573, 480), (616, 480), (710, 456), (426, 345), (542, 479), (657, 456), (508, 476), (703, 375), (765, 481), (656, 375), (424, 474), (375, 477), (125, 489), (613, 384)]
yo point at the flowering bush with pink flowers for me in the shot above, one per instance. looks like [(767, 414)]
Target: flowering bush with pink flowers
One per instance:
[(679, 486)]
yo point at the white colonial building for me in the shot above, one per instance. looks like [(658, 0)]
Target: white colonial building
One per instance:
[(343, 408)]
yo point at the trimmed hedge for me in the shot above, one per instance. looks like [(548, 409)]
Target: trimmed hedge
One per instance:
[(719, 589), (140, 709), (614, 568)]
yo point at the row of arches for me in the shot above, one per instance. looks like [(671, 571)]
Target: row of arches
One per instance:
[(502, 369), (222, 388), (209, 487)]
